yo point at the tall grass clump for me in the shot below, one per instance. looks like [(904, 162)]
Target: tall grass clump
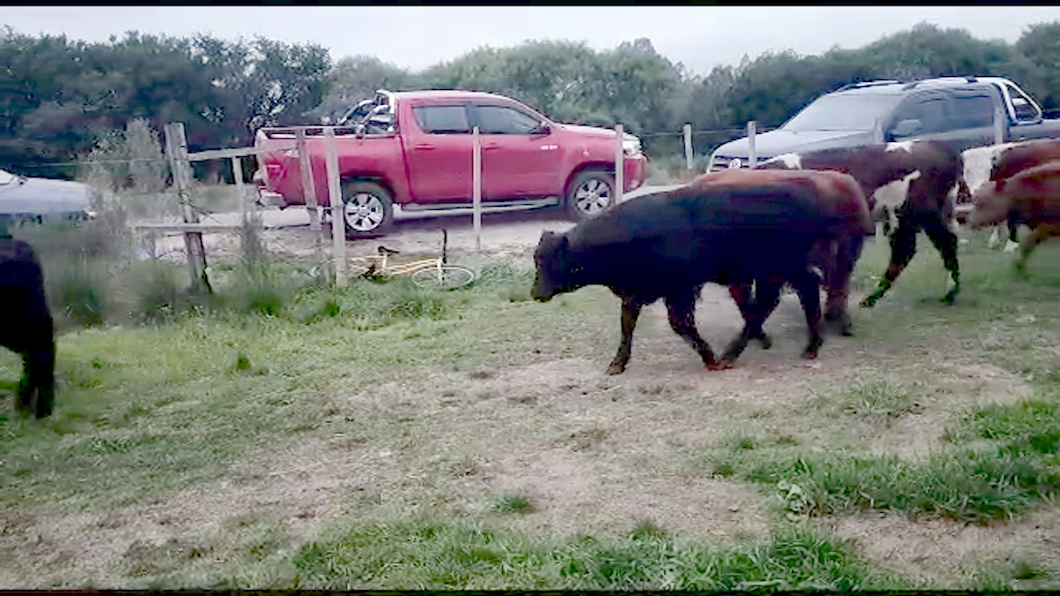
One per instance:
[(504, 281), (423, 554), (79, 260), (366, 305)]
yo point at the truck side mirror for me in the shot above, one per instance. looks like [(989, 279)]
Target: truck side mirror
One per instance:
[(906, 128), (542, 129)]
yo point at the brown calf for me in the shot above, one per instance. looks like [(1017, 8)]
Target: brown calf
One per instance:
[(1031, 197), (840, 195)]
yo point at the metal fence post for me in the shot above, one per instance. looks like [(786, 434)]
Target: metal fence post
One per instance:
[(309, 191), (999, 126), (476, 186), (620, 165), (751, 157), (688, 147)]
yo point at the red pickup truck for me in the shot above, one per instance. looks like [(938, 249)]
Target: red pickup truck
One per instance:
[(411, 152)]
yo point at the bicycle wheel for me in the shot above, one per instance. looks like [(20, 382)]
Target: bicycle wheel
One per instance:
[(449, 277)]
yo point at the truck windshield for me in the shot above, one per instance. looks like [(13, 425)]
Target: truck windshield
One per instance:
[(842, 112)]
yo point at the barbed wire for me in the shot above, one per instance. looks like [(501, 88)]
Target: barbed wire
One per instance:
[(78, 163)]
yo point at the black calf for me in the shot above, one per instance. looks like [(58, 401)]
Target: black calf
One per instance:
[(27, 328)]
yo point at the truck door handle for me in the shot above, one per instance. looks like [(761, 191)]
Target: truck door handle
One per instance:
[(486, 147), (424, 147)]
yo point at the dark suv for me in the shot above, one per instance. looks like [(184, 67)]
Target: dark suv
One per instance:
[(957, 110)]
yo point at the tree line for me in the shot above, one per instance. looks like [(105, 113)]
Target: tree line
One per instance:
[(62, 97)]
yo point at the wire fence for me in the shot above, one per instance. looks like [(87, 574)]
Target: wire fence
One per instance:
[(162, 222)]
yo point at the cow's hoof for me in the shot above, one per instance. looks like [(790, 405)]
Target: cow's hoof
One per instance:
[(723, 364), (809, 354), (764, 340), (868, 302), (948, 299), (616, 369)]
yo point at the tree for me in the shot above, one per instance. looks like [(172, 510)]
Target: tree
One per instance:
[(357, 78), (1040, 44)]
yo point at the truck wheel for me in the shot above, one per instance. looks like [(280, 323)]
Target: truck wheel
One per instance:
[(590, 194), (367, 210)]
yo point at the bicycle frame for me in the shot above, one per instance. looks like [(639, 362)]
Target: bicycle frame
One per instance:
[(388, 270), (443, 275)]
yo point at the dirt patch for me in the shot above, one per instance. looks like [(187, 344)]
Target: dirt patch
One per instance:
[(949, 553), (295, 489)]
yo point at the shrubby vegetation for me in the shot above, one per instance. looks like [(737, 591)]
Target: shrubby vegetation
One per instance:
[(78, 93)]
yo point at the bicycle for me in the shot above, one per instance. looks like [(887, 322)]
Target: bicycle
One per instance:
[(434, 273)]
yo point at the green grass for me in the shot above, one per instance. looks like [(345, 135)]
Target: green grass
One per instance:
[(421, 554), (1002, 461), (146, 411), (514, 503)]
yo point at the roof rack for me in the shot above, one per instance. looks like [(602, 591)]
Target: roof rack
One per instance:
[(867, 84)]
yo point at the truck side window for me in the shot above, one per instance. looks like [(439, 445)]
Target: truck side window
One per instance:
[(930, 111), (504, 120), (972, 111), (1022, 104), (442, 119)]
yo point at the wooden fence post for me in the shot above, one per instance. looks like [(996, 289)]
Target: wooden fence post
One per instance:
[(620, 165), (309, 191), (241, 193), (476, 186), (688, 147), (177, 154), (338, 218)]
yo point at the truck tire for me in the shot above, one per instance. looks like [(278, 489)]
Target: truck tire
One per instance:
[(590, 194), (367, 210)]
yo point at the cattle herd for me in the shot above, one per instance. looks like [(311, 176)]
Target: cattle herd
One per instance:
[(797, 219)]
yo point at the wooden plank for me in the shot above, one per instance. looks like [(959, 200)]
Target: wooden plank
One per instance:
[(186, 227), (237, 152)]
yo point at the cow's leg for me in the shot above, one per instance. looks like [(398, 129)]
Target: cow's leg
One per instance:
[(40, 365), (767, 297), (903, 247), (25, 384), (741, 295), (36, 388), (837, 273), (1013, 229), (809, 289), (681, 309), (630, 311), (946, 242), (1027, 246)]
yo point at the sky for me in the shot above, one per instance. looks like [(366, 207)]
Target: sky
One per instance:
[(416, 37)]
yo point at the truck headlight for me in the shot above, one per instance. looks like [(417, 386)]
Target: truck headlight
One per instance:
[(630, 145)]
